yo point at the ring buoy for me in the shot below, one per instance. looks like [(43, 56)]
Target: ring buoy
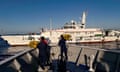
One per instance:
[(33, 44), (67, 36)]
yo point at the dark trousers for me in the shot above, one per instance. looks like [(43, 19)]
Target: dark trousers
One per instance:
[(42, 61), (64, 52)]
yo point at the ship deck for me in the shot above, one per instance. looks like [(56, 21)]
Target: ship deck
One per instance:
[(79, 58)]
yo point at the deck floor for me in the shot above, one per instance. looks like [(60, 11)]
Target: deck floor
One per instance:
[(72, 64)]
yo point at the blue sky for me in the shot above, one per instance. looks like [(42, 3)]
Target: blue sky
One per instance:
[(18, 16)]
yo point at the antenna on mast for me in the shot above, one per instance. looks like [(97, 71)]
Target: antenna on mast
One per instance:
[(50, 26), (50, 23)]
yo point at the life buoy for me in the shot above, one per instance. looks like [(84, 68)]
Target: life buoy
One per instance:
[(67, 36), (33, 44)]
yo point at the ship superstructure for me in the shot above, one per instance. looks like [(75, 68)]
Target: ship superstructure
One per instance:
[(77, 30)]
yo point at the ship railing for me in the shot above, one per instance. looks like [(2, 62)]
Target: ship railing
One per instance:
[(89, 58), (25, 61), (98, 59)]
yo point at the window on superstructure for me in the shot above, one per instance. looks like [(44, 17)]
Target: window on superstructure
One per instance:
[(67, 27), (73, 23), (91, 32), (81, 26), (73, 27)]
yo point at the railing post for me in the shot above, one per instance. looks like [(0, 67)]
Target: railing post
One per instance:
[(16, 65), (91, 63)]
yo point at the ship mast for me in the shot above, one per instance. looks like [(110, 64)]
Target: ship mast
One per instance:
[(83, 21), (50, 26)]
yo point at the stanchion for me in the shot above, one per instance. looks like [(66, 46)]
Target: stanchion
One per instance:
[(91, 63)]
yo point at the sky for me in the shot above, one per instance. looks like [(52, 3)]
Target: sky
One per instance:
[(22, 16)]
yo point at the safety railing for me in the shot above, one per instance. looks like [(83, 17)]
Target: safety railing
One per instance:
[(95, 59)]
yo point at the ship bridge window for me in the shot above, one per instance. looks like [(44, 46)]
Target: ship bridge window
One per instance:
[(81, 26), (66, 27), (31, 38), (79, 38), (73, 23)]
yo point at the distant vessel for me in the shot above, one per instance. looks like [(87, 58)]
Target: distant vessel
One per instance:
[(77, 31), (20, 40)]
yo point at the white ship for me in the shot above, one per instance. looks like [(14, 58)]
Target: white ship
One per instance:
[(80, 34), (77, 30)]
